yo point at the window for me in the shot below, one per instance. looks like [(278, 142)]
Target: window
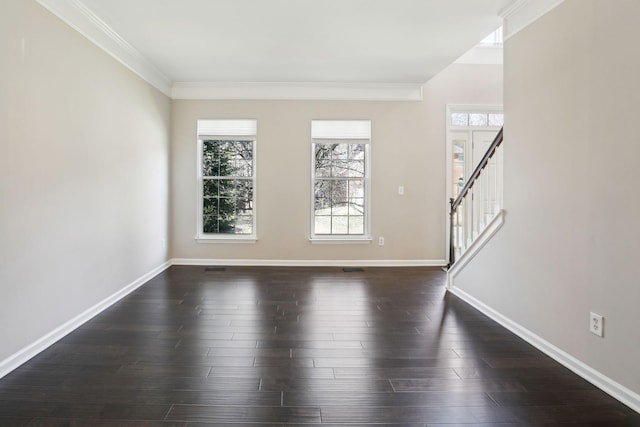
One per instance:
[(226, 180), (493, 39), (477, 119), (340, 180)]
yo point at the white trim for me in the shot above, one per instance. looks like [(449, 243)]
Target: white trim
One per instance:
[(298, 91), (82, 19), (312, 262), (341, 129), (232, 131), (449, 129), (492, 228), (472, 108), (613, 388), (230, 239), (227, 127), (22, 356), (523, 13)]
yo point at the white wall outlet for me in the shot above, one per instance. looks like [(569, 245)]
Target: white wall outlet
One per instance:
[(163, 243), (380, 241), (596, 324), (401, 190)]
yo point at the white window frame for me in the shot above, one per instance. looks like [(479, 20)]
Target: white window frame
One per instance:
[(348, 131), (230, 130)]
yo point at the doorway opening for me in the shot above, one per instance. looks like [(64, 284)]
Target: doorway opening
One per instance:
[(470, 131)]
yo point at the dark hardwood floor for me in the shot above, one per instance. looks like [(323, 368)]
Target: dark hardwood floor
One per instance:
[(298, 346)]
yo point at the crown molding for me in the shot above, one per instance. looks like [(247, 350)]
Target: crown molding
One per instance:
[(82, 19), (522, 13), (298, 91), (78, 16)]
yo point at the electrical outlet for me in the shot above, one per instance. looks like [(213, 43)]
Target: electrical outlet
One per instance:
[(596, 324), (401, 190), (380, 241)]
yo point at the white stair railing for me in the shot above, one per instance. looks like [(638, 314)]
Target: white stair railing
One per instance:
[(479, 201)]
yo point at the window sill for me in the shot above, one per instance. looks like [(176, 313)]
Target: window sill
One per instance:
[(340, 240), (233, 239)]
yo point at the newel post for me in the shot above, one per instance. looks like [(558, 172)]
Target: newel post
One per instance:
[(452, 253)]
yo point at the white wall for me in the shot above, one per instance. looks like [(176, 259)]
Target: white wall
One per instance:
[(571, 238), (408, 148), (83, 175)]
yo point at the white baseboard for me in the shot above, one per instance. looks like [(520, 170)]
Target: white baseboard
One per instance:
[(606, 384), (311, 262), (22, 356)]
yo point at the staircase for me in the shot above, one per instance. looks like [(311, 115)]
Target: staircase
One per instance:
[(477, 211)]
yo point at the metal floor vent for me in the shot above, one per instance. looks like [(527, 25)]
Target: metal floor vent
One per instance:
[(353, 270), (214, 269)]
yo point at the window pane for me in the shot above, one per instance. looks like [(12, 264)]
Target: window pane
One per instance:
[(209, 224), (322, 207), (496, 119), (242, 168), (323, 160), (226, 187), (210, 159), (340, 151), (244, 223), (323, 170), (210, 187), (244, 150), (340, 224), (340, 207), (339, 160), (210, 206), (322, 193), (226, 215), (356, 224), (459, 119), (458, 166), (322, 224), (227, 158), (356, 207), (356, 151), (244, 195), (356, 169), (478, 119), (356, 188), (340, 168), (339, 191)]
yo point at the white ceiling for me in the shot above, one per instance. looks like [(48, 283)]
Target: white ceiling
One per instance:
[(363, 41), (287, 49)]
